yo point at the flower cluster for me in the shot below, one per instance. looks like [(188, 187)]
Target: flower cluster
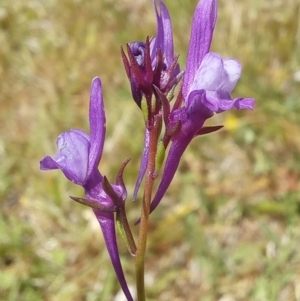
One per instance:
[(153, 72)]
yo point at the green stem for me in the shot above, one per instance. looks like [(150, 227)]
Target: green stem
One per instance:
[(143, 230)]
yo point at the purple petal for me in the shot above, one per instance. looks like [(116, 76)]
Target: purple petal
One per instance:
[(215, 102), (210, 74), (143, 164), (199, 108), (167, 43), (218, 77), (107, 224), (233, 71), (97, 125), (201, 35), (164, 35), (72, 158), (153, 49), (238, 103), (244, 103), (157, 41), (209, 100), (176, 150), (217, 74), (47, 163)]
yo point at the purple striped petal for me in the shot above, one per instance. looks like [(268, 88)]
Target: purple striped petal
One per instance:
[(167, 44), (201, 35), (97, 125), (72, 158), (164, 35)]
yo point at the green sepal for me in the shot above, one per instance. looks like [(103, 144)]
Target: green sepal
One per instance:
[(159, 123), (153, 104), (160, 156), (121, 222), (144, 108), (121, 229), (170, 94)]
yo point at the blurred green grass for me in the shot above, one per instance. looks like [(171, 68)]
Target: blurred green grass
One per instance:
[(228, 228)]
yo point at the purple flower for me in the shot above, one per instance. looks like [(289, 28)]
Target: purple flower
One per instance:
[(207, 84), (78, 158)]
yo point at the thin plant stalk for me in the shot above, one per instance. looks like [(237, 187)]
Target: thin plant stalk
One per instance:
[(143, 230)]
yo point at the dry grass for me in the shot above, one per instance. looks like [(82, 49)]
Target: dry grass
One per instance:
[(228, 228)]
